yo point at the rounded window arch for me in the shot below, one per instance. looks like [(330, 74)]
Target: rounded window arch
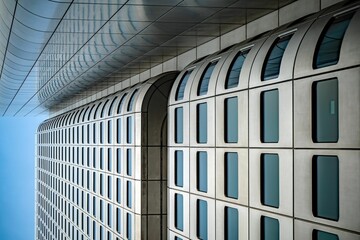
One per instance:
[(97, 109), (90, 112), (121, 103), (104, 108), (112, 104)]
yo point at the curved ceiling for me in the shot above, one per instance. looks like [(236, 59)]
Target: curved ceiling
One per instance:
[(51, 50)]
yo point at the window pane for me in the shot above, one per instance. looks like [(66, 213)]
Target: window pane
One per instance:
[(205, 78), (179, 212), (181, 88), (202, 219), (118, 160), (109, 164), (179, 169), (269, 228), (129, 226), (121, 103), (131, 101), (325, 111), (270, 116), (273, 59), (129, 194), (128, 162), (179, 125), (109, 187), (231, 120), (109, 132), (326, 187), (118, 220), (202, 171), (232, 78), (231, 175), (270, 180), (118, 190), (118, 127), (320, 235), (231, 223), (202, 123), (328, 48), (129, 130)]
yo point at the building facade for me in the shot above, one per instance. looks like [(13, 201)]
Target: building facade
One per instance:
[(260, 140)]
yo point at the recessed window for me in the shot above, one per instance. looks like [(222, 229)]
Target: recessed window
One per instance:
[(109, 215), (325, 113), (181, 88), (233, 75), (109, 179), (129, 128), (118, 130), (179, 212), (128, 194), (231, 120), (131, 101), (201, 128), (328, 48), (325, 177), (109, 163), (101, 157), (118, 160), (101, 132), (118, 190), (202, 169), (231, 223), (179, 125), (205, 78), (129, 226), (270, 179), (121, 103), (271, 68), (269, 116), (128, 162), (101, 184), (109, 131), (202, 226), (270, 229), (321, 235), (118, 220), (179, 168), (231, 175)]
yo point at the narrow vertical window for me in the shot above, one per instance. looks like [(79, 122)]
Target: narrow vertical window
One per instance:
[(181, 88), (109, 187), (118, 190), (231, 120), (201, 128), (101, 184), (129, 194), (109, 163), (269, 116), (179, 168), (205, 78), (94, 182), (101, 132), (325, 114), (131, 101), (202, 226), (94, 132), (179, 212), (231, 223), (269, 168), (179, 125), (109, 132), (325, 175), (101, 158), (118, 130), (109, 215), (271, 68), (321, 235), (118, 220), (118, 160), (328, 48), (233, 75), (269, 228), (121, 103), (128, 162), (129, 226), (202, 171), (101, 210), (129, 129), (231, 175)]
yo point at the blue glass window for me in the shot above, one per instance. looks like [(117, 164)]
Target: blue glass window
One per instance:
[(270, 229), (231, 120), (131, 101), (101, 132), (109, 163), (202, 171), (325, 114), (94, 181), (231, 223), (109, 215), (118, 160), (121, 103), (109, 187), (118, 190), (101, 184), (128, 162), (231, 175), (118, 220), (101, 157), (201, 129), (269, 116), (205, 78), (181, 88), (325, 175), (179, 212), (327, 51), (233, 75), (271, 68), (321, 235), (129, 194), (202, 226), (129, 226), (270, 179), (129, 129), (179, 125), (109, 131), (118, 128), (101, 210), (179, 168)]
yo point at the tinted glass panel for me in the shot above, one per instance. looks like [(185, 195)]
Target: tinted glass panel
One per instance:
[(179, 169), (179, 125), (131, 101), (231, 120), (205, 78), (202, 171), (109, 132), (320, 235), (118, 160), (121, 103), (179, 212), (118, 220), (325, 111), (181, 88), (270, 180), (129, 194), (326, 187), (129, 129), (273, 59), (232, 78), (129, 226), (202, 219), (269, 116), (231, 223), (118, 130), (201, 123), (128, 162), (231, 175), (328, 48), (118, 190), (269, 228)]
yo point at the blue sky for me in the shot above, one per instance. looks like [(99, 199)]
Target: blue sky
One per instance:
[(17, 177)]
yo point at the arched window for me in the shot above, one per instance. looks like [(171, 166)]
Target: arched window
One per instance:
[(112, 106), (232, 77), (181, 88), (131, 101), (121, 103), (205, 78)]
